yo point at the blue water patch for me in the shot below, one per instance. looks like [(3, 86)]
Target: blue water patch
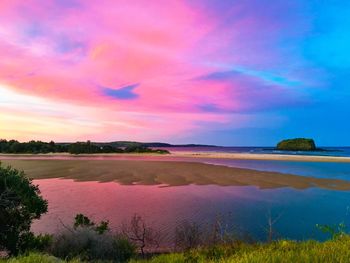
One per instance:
[(332, 170), (326, 151)]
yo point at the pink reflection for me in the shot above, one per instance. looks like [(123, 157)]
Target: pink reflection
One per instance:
[(162, 207)]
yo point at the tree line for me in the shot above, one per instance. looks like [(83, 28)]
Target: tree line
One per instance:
[(39, 147)]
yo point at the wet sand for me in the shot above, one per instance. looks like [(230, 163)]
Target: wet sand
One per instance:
[(167, 173)]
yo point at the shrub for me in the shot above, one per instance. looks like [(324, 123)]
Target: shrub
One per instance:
[(140, 234), (336, 231), (188, 235), (90, 241), (87, 244), (31, 242), (20, 204)]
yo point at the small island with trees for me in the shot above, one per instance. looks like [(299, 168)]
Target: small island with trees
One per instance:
[(298, 144)]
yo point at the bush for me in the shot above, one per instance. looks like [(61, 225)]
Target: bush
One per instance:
[(31, 242), (87, 244), (188, 235), (144, 149), (20, 204)]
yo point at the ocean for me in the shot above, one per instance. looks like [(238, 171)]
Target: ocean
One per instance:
[(326, 151)]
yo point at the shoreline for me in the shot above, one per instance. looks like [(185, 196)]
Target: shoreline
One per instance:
[(189, 154)]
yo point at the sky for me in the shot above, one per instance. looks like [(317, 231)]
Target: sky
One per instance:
[(229, 72)]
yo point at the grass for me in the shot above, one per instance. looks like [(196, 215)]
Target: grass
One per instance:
[(331, 251), (37, 258), (282, 251)]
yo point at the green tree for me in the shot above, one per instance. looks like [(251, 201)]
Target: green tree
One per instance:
[(20, 204), (81, 220)]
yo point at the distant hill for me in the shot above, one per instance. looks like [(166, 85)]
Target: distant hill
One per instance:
[(149, 144)]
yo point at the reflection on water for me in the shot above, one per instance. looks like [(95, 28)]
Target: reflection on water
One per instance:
[(164, 207), (330, 170), (243, 206)]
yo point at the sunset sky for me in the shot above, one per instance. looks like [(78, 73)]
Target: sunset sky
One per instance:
[(228, 72)]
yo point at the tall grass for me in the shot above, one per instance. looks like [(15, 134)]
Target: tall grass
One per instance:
[(337, 250), (37, 258)]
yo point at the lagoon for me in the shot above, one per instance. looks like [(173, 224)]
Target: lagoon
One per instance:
[(243, 208)]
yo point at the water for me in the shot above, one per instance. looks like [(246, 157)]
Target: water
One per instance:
[(164, 208), (330, 170), (244, 207), (328, 151)]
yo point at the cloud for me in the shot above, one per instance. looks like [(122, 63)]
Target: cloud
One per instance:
[(124, 93), (200, 63)]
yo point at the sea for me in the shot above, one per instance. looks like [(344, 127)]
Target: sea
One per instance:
[(324, 151)]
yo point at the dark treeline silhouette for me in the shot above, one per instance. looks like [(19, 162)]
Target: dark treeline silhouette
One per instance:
[(37, 147), (14, 146), (88, 147)]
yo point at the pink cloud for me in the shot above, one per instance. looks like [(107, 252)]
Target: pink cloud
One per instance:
[(66, 53)]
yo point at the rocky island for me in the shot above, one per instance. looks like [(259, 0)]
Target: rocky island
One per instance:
[(298, 144)]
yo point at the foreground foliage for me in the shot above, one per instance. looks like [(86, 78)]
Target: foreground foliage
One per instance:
[(336, 250), (37, 258), (90, 241), (20, 204)]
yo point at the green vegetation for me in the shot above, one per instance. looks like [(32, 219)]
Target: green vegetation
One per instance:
[(88, 148), (298, 144), (89, 241), (35, 147), (143, 149), (20, 204), (336, 250), (37, 258), (39, 147)]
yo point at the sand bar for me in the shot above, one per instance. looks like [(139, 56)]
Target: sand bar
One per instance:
[(169, 173)]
